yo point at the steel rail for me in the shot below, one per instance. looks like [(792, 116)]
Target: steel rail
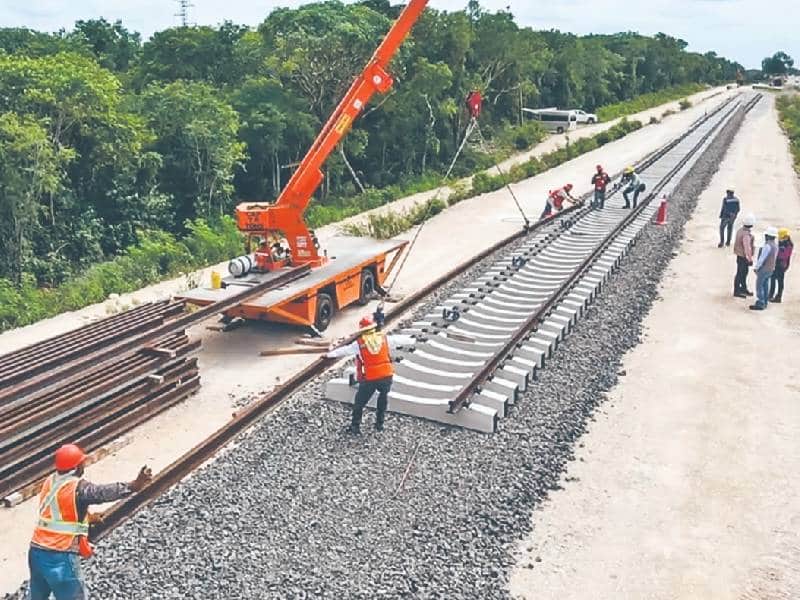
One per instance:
[(105, 354), (252, 413), (530, 325)]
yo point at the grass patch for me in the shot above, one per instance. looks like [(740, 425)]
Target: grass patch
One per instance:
[(646, 101), (789, 116), (388, 224)]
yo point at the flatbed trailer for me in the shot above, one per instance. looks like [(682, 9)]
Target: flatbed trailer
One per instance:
[(357, 268)]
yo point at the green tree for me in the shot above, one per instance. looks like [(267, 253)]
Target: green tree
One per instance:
[(115, 47), (31, 169), (779, 63), (196, 134)]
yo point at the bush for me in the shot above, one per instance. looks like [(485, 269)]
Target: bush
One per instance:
[(645, 101), (157, 256), (684, 104), (654, 120), (789, 116), (388, 224)]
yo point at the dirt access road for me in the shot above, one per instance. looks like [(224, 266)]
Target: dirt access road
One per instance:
[(229, 364), (686, 485)]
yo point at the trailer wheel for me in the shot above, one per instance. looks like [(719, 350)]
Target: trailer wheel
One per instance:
[(325, 310), (367, 287)]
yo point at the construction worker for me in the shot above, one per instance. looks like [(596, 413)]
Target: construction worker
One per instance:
[(765, 266), (743, 248), (61, 531), (374, 369), (556, 199), (785, 247), (600, 181), (633, 185), (727, 217)]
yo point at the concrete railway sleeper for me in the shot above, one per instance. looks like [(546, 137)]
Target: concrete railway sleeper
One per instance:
[(435, 356), (508, 322)]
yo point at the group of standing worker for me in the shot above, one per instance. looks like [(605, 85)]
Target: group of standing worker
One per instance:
[(771, 263), (630, 182)]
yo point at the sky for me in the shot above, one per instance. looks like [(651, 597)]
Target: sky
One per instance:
[(742, 30)]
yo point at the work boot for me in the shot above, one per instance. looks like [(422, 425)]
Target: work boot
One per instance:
[(740, 295), (378, 426), (728, 243), (353, 430), (776, 299), (720, 245), (756, 306), (748, 293)]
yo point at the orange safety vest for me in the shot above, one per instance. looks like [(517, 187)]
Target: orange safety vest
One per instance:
[(373, 361), (58, 524)]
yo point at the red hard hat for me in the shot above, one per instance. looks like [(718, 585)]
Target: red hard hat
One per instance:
[(68, 457), (568, 187), (365, 322)]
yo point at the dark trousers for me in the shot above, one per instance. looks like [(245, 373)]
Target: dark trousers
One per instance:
[(740, 281), (363, 396), (776, 282), (56, 573), (548, 210), (636, 192), (599, 199), (725, 225)]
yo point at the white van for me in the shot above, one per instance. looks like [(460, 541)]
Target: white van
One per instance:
[(554, 120)]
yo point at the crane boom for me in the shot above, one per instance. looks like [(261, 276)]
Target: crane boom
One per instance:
[(284, 218)]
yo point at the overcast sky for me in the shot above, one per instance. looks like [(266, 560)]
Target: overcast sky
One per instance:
[(744, 30)]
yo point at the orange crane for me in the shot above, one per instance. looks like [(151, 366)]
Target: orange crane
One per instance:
[(336, 281)]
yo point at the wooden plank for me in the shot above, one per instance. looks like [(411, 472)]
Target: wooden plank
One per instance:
[(290, 350)]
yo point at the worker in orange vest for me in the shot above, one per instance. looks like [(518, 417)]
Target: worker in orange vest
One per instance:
[(374, 369), (62, 527), (556, 199)]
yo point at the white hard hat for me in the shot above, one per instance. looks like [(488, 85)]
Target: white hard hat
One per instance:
[(771, 232), (749, 220)]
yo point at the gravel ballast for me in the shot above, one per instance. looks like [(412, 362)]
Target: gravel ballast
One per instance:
[(296, 509)]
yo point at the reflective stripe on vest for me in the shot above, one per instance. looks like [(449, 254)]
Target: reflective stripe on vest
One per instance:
[(58, 523), (374, 360)]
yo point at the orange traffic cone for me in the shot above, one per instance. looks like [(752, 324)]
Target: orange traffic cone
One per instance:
[(661, 216)]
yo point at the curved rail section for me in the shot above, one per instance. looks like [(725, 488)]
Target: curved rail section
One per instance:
[(484, 345)]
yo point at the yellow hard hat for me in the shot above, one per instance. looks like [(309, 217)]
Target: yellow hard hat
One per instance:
[(783, 233), (628, 170)]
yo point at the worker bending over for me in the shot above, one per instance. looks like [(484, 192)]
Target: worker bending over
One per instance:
[(632, 184), (62, 528), (600, 181), (556, 199), (374, 369)]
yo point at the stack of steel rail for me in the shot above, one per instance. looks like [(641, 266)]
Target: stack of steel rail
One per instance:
[(92, 385), (52, 394)]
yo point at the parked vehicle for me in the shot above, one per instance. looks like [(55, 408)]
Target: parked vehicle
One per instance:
[(558, 121), (584, 117)]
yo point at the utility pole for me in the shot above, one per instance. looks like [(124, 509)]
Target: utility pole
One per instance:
[(183, 11)]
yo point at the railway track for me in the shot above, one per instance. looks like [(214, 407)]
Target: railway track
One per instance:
[(482, 347), (92, 385), (610, 232)]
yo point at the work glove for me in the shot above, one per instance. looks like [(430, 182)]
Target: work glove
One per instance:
[(144, 477), (95, 518)]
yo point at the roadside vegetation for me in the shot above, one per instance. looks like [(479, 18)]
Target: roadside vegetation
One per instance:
[(387, 224), (108, 143), (646, 101), (789, 112)]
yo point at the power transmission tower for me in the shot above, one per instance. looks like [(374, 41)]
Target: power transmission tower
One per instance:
[(183, 11)]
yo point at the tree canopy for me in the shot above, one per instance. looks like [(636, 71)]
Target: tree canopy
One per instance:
[(104, 136)]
